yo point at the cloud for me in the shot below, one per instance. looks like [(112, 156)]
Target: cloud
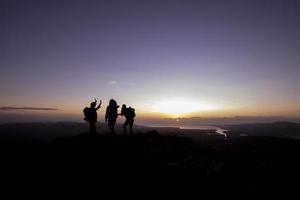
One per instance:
[(112, 82), (26, 108)]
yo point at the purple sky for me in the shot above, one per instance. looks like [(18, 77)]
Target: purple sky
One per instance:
[(240, 57)]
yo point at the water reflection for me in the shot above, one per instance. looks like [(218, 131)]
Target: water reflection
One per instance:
[(218, 130)]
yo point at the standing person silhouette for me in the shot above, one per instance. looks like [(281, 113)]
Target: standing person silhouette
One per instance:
[(129, 114), (90, 115), (111, 115)]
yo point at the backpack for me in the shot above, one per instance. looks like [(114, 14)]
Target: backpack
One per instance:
[(87, 115), (130, 112)]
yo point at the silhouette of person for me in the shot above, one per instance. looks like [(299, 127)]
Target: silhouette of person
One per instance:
[(111, 115), (129, 114), (91, 115)]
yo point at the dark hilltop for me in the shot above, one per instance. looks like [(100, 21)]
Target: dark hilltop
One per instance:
[(249, 162)]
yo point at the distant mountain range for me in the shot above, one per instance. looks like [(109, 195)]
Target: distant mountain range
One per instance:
[(49, 131), (276, 129), (217, 121)]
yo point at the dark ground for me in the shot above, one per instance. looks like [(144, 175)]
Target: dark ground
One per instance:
[(252, 162)]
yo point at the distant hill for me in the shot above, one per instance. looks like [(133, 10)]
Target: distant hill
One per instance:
[(215, 121), (51, 130), (276, 129)]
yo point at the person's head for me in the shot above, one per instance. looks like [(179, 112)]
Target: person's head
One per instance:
[(93, 104), (123, 106), (112, 102)]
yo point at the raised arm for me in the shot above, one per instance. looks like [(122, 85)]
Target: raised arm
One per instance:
[(99, 106)]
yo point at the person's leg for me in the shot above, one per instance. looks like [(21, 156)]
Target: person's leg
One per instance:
[(94, 128), (111, 125), (91, 127), (124, 126), (131, 125)]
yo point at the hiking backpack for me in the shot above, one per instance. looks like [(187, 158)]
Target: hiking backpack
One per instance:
[(87, 115), (131, 112)]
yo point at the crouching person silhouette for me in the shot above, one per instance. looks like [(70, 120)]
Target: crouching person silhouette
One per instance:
[(90, 115), (129, 114), (111, 115)]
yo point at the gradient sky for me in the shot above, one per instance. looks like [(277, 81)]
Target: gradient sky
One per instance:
[(222, 58)]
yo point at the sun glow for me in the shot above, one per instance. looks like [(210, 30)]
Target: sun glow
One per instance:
[(179, 107)]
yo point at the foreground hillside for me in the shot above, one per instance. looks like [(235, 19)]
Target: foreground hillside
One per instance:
[(245, 162)]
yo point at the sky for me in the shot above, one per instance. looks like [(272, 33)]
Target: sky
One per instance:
[(166, 58)]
